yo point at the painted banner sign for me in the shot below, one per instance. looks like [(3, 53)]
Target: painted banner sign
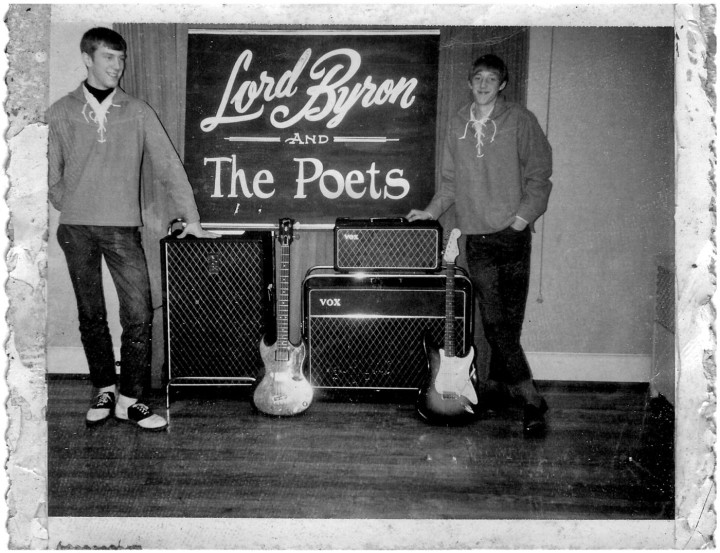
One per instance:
[(312, 125)]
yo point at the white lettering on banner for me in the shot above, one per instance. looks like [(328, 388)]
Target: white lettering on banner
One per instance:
[(331, 183), (309, 139), (391, 182), (284, 88), (217, 193), (329, 98), (338, 184), (353, 178), (261, 177)]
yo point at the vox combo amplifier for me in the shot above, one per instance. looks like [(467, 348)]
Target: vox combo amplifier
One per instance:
[(387, 244), (366, 331), (217, 305)]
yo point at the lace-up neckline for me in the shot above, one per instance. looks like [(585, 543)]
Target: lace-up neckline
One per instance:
[(479, 126)]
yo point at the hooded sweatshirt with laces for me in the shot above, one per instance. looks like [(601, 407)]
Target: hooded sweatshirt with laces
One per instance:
[(95, 154), (494, 169)]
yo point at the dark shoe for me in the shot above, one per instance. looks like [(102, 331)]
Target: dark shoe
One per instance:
[(101, 409), (141, 415), (534, 419), (493, 398)]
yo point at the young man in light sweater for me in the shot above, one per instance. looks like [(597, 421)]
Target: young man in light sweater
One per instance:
[(496, 169), (98, 138)]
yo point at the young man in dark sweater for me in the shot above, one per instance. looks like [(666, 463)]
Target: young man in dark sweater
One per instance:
[(496, 169), (98, 136)]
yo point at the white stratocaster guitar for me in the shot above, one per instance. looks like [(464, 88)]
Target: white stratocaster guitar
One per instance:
[(450, 395)]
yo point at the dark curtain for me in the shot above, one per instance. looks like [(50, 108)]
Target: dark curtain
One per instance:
[(155, 72), (459, 47)]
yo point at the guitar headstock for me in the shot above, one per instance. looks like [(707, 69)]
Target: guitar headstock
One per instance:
[(451, 248), (285, 235)]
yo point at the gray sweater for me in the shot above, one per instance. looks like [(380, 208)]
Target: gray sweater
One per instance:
[(94, 161), (494, 170)]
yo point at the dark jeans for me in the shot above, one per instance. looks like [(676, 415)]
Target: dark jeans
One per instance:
[(499, 266), (84, 248)]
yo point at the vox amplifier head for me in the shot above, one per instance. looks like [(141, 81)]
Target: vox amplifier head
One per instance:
[(387, 244), (367, 331)]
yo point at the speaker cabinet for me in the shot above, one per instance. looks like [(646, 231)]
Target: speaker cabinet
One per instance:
[(366, 331), (387, 245), (217, 305)]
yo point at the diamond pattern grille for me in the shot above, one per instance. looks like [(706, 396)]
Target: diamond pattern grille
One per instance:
[(216, 307), (377, 353), (387, 248)]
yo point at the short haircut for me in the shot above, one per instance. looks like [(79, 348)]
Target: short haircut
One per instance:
[(491, 62), (101, 36)]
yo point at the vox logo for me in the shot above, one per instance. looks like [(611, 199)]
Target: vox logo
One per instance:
[(330, 302)]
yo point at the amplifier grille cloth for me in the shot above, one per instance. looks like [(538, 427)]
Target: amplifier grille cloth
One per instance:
[(215, 293), (374, 352), (387, 248)]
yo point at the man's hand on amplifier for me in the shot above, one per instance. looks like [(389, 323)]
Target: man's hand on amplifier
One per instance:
[(196, 230), (418, 215)]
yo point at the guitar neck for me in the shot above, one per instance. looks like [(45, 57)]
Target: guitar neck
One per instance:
[(283, 300), (450, 310)]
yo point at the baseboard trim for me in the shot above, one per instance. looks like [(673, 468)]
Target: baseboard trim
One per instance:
[(588, 367), (69, 360)]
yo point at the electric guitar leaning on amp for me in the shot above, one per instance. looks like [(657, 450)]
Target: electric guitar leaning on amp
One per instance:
[(283, 389), (450, 394)]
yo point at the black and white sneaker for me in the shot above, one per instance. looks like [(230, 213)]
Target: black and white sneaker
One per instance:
[(101, 408), (141, 415)]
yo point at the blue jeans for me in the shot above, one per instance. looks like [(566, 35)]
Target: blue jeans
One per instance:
[(84, 248), (499, 267)]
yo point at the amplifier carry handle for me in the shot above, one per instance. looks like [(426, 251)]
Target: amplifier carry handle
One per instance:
[(398, 219), (171, 230), (388, 219)]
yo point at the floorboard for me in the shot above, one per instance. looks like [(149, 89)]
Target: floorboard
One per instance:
[(607, 455)]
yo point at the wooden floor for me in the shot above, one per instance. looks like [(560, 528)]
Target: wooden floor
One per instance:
[(607, 455)]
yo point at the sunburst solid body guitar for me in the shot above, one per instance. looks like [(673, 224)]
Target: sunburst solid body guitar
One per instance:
[(283, 389), (450, 395)]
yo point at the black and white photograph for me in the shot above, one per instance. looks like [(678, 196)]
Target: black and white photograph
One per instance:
[(360, 276)]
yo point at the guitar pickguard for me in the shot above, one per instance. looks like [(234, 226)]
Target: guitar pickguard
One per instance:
[(283, 390), (453, 377)]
